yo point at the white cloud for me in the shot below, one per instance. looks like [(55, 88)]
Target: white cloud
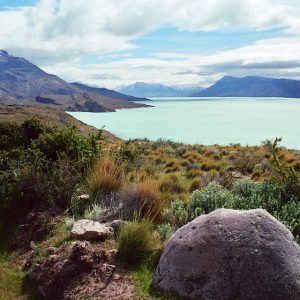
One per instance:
[(273, 57), (57, 33)]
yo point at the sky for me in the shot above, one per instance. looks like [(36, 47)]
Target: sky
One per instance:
[(118, 42)]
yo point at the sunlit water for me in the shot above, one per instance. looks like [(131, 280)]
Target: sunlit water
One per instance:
[(206, 120)]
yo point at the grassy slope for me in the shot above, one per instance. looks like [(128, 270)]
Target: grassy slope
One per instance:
[(19, 113)]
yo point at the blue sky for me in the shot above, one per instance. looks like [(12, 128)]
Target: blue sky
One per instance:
[(172, 42), (16, 3)]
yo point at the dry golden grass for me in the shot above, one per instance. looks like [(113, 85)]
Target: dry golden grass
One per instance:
[(171, 184), (195, 184), (104, 178), (194, 173)]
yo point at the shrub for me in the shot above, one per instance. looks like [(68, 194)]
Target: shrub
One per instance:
[(37, 176), (69, 222), (103, 179), (137, 241), (176, 215), (208, 199), (284, 173), (129, 155), (165, 231), (96, 213)]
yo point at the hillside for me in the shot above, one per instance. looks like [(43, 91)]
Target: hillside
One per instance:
[(252, 86), (106, 92), (143, 89), (21, 82), (51, 116)]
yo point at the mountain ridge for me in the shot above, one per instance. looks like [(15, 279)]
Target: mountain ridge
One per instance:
[(23, 83), (252, 86)]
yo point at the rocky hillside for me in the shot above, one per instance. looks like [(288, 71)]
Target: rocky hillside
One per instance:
[(21, 82), (252, 86), (106, 92)]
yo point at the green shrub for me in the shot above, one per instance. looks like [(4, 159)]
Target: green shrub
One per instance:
[(165, 231), (176, 214), (208, 199), (289, 215), (69, 222), (137, 242), (46, 172), (96, 212)]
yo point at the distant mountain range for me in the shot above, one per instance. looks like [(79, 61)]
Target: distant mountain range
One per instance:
[(23, 83), (143, 89), (252, 86), (228, 86)]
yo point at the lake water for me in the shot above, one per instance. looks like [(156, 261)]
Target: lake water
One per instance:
[(205, 120)]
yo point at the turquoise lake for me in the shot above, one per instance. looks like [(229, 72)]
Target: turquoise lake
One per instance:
[(247, 121)]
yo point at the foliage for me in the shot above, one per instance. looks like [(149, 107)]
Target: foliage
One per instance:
[(176, 214), (245, 195), (285, 172), (171, 184), (41, 167), (103, 179), (129, 155), (69, 222), (165, 231), (208, 199), (96, 212), (137, 242)]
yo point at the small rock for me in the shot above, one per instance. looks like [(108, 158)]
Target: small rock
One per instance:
[(90, 230), (84, 197)]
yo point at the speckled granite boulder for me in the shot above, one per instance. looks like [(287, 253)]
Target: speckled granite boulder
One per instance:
[(230, 254)]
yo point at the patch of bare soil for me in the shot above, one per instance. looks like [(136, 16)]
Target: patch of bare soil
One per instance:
[(80, 270)]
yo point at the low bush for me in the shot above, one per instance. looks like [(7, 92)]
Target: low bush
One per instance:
[(176, 215), (44, 168), (165, 231), (137, 242), (69, 223), (96, 213), (208, 199)]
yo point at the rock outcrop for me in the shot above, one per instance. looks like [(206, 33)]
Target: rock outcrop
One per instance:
[(228, 254)]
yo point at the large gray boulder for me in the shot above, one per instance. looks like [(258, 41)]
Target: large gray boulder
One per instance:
[(231, 255)]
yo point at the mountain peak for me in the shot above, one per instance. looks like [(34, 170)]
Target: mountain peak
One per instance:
[(3, 53)]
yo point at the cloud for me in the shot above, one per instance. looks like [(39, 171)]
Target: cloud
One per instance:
[(56, 30), (56, 34)]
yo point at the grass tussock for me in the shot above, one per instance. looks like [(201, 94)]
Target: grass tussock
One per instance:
[(137, 241), (171, 184), (104, 178)]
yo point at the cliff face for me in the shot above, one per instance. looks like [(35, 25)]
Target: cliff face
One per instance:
[(21, 82)]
